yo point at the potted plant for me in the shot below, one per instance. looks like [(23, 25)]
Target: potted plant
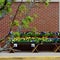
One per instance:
[(51, 35)]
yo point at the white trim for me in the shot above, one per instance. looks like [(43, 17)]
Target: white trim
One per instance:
[(36, 0)]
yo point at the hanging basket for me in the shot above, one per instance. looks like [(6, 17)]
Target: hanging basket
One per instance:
[(5, 7)]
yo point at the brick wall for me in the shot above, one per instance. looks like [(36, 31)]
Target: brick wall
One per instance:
[(48, 18)]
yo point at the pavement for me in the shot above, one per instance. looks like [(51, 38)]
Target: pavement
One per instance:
[(18, 54)]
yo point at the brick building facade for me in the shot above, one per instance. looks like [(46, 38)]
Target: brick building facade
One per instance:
[(48, 18)]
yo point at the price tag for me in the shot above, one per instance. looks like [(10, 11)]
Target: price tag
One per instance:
[(15, 45), (33, 45)]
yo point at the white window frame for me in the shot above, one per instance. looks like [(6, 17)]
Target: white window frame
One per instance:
[(32, 0)]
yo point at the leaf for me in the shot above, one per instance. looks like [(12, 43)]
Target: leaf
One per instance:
[(15, 23), (35, 15), (29, 18), (9, 10), (0, 13), (47, 2), (22, 8), (25, 24), (24, 21), (16, 34), (28, 1)]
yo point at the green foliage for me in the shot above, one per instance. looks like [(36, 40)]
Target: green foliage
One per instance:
[(46, 34), (2, 2), (22, 8), (9, 10), (6, 9), (46, 40), (29, 18), (26, 21), (16, 34), (50, 34), (35, 15), (8, 4), (0, 13), (33, 39), (16, 39), (58, 41), (30, 34), (34, 29), (47, 2), (15, 23), (28, 0)]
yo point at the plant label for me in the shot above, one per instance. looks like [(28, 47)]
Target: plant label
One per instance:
[(33, 45), (15, 45)]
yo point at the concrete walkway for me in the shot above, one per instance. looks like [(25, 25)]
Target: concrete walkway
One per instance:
[(17, 54)]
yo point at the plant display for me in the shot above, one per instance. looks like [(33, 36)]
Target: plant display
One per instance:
[(35, 40), (34, 37), (30, 34), (51, 34)]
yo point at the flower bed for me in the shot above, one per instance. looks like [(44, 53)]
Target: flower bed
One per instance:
[(43, 37), (35, 40), (29, 40)]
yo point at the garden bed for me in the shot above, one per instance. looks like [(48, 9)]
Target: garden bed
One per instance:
[(31, 42)]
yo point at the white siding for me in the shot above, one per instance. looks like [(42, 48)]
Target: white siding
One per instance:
[(36, 0)]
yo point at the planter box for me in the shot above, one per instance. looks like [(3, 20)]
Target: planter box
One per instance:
[(24, 46), (30, 46)]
